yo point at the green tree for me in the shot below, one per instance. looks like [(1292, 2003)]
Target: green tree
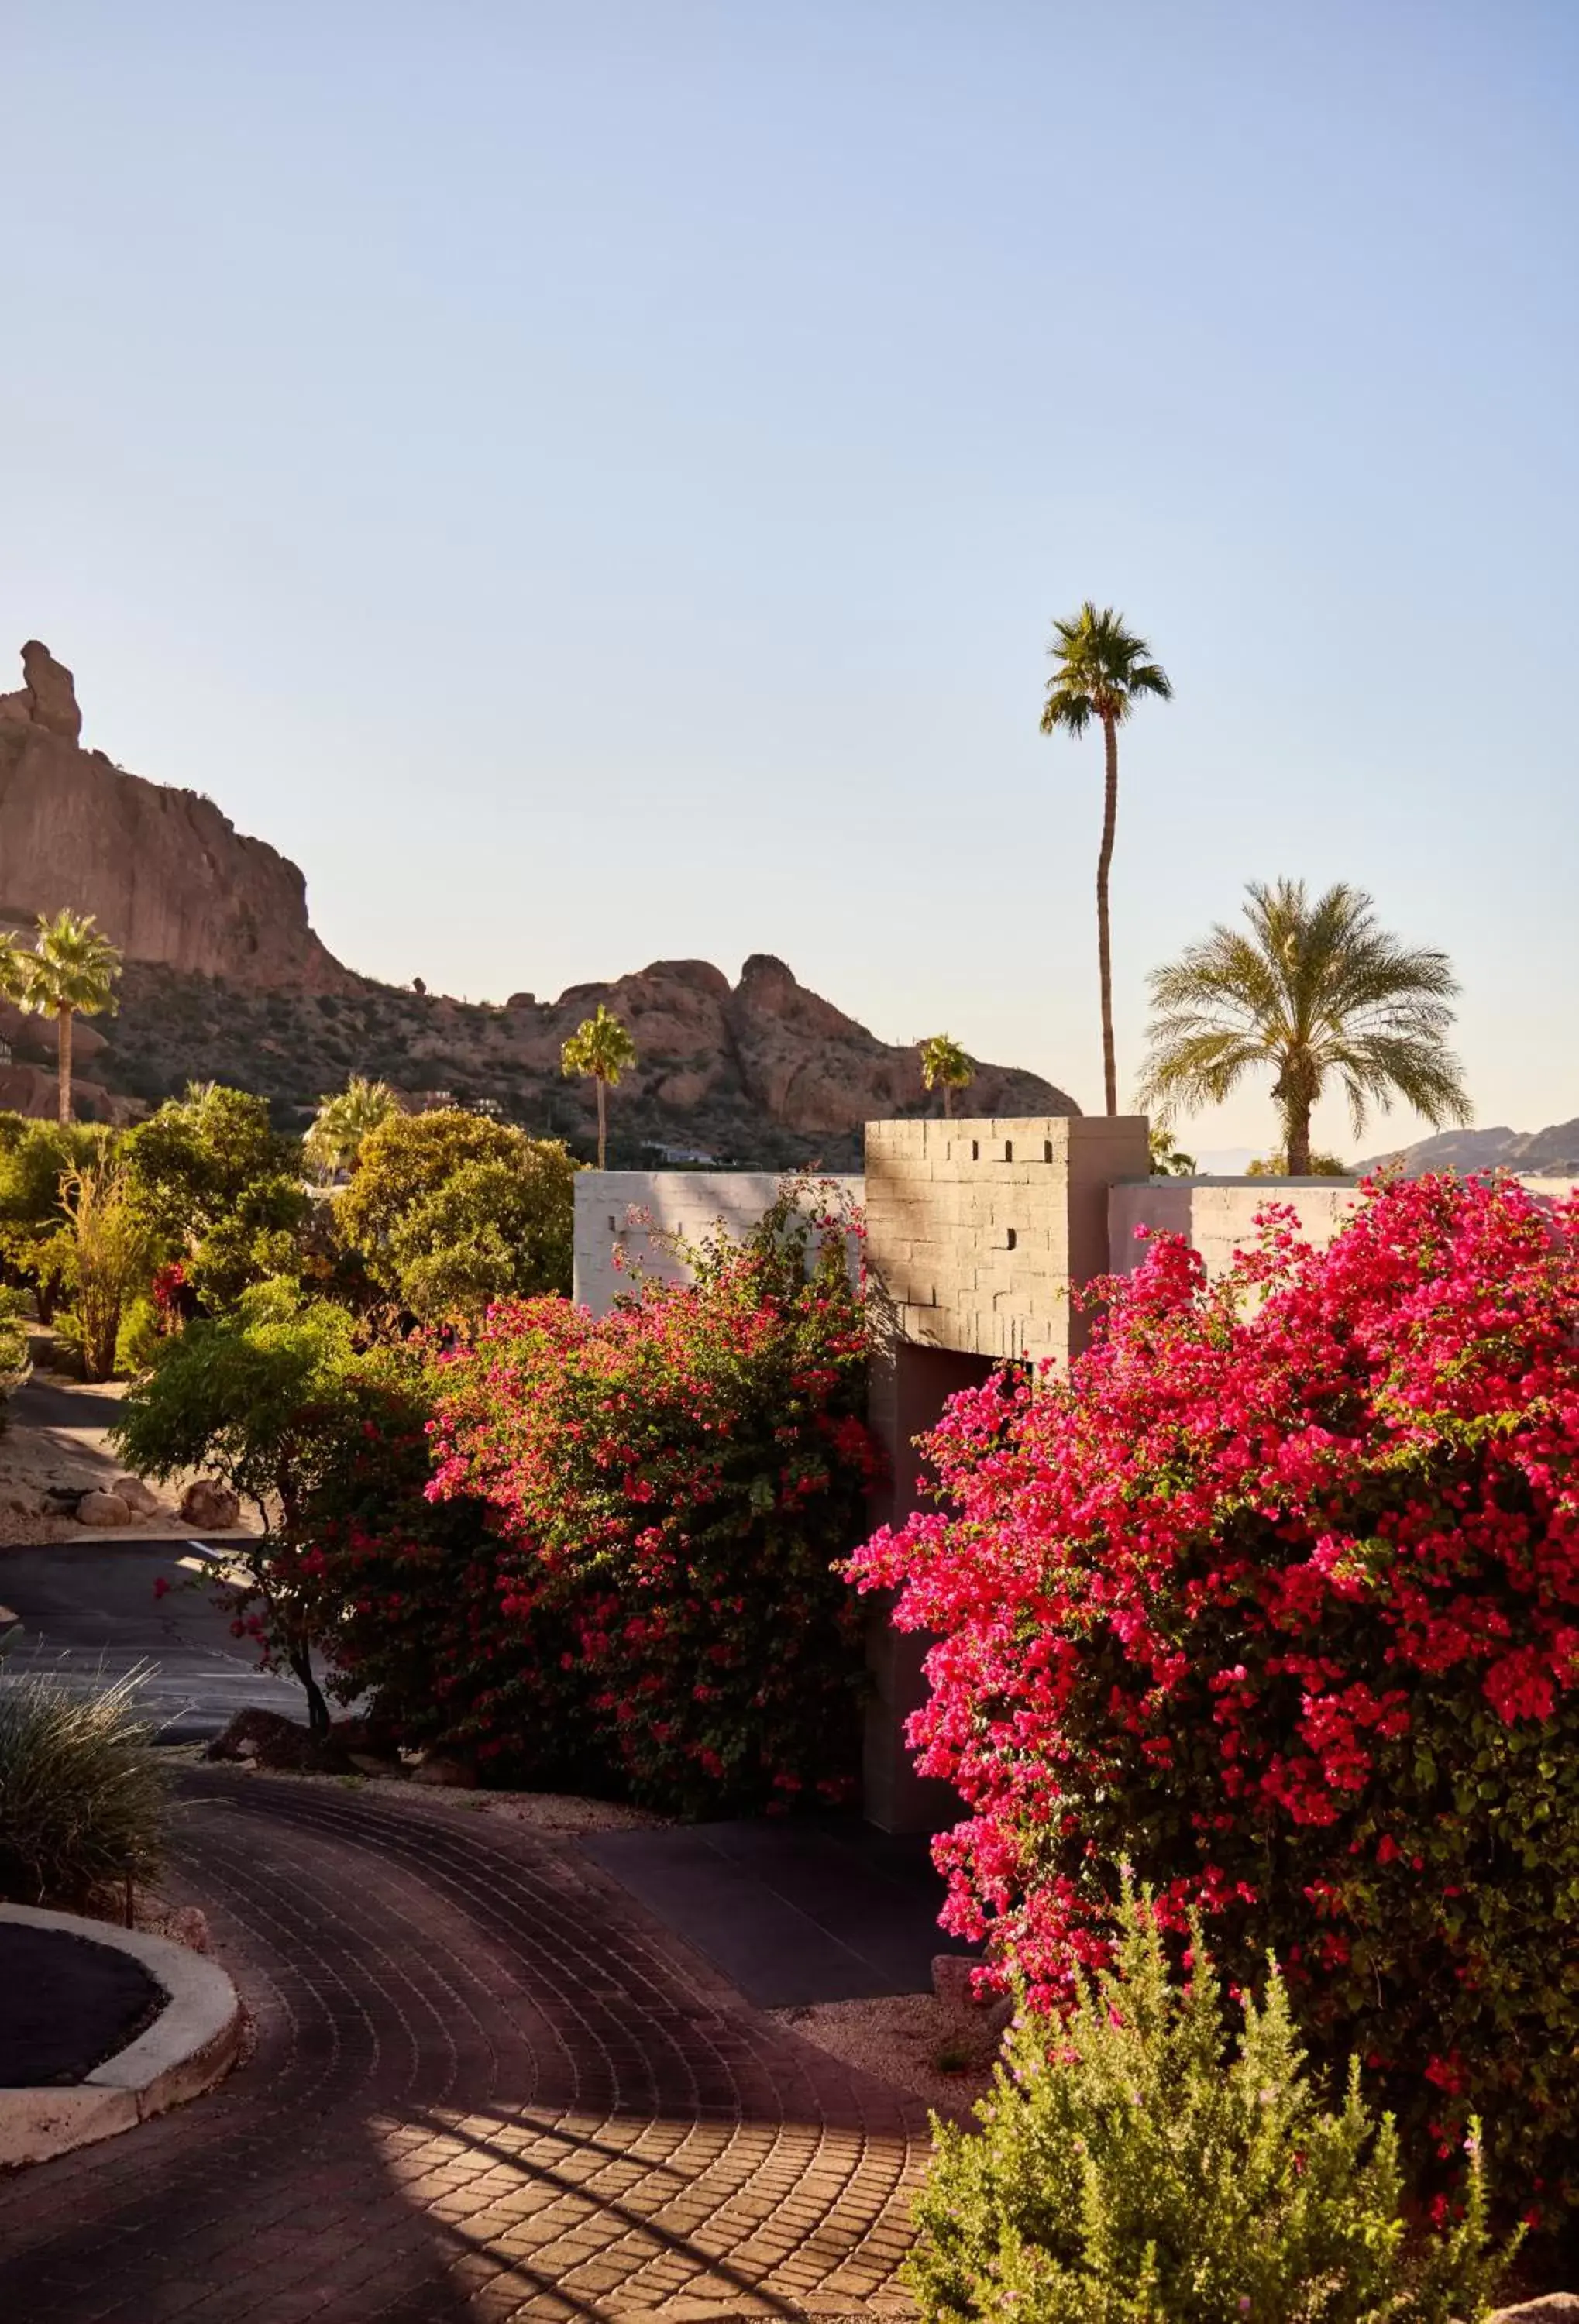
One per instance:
[(944, 1063), (265, 1398), (1315, 992), (600, 1049), (450, 1210), (220, 1188), (70, 973), (493, 1230), (1168, 1159), (1276, 1166), (343, 1121), (1101, 670), (36, 1242)]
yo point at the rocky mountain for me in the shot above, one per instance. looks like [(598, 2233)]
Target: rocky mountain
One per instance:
[(167, 875), (761, 1071), (1551, 1153), (224, 979)]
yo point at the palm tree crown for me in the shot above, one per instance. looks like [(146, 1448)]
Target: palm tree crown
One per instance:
[(1100, 671), (1315, 992), (70, 972), (601, 1050), (343, 1121), (944, 1063)]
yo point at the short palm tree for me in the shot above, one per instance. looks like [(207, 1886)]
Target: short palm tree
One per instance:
[(69, 972), (1315, 992), (945, 1064), (600, 1049), (343, 1121), (1101, 669)]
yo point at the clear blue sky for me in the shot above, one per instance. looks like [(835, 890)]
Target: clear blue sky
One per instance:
[(592, 482)]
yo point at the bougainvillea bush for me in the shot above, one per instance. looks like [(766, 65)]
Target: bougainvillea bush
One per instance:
[(1275, 1598), (670, 1489)]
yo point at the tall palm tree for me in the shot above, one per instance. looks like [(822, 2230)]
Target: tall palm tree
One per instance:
[(599, 1050), (944, 1063), (1314, 992), (343, 1121), (70, 973), (1100, 671)]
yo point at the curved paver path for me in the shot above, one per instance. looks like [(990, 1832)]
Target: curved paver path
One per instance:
[(484, 2086)]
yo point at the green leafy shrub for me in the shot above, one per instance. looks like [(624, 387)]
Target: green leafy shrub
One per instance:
[(1134, 2166), (82, 1796)]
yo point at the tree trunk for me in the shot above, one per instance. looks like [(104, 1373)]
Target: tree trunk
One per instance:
[(1110, 814), (947, 1101), (1297, 1152), (601, 1127), (63, 1037), (317, 1709)]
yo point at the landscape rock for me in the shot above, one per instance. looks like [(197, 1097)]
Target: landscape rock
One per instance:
[(210, 1505), (445, 1768), (1555, 2308), (103, 1509), (139, 1498), (270, 1739)]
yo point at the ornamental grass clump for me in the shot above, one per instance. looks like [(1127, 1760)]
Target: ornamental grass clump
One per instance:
[(1136, 2164), (81, 1797), (1275, 1594)]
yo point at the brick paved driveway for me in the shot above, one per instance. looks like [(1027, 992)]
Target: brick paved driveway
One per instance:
[(483, 2087)]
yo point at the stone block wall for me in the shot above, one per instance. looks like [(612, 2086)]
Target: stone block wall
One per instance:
[(976, 1229)]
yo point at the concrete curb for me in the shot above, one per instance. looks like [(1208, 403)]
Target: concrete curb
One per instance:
[(190, 2046)]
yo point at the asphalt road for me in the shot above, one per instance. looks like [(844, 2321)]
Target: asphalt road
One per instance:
[(89, 1613)]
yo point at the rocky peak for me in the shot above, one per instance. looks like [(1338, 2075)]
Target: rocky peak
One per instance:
[(47, 696)]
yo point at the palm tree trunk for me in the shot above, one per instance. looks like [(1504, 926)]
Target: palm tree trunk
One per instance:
[(947, 1100), (601, 1127), (1110, 815), (1299, 1147), (63, 1037)]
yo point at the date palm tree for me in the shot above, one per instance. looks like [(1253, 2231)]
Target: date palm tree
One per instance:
[(69, 972), (1101, 669), (343, 1121), (945, 1064), (1315, 992), (600, 1050)]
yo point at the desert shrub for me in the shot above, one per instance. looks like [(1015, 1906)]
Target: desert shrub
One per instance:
[(141, 1337), (1277, 1596), (669, 1488), (111, 1261), (1133, 2165), (81, 1797)]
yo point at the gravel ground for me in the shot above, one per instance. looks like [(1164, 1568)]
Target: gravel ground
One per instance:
[(900, 2039)]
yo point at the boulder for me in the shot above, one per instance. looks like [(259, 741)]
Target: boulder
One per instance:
[(445, 1768), (139, 1498), (210, 1504), (1555, 2308), (103, 1509)]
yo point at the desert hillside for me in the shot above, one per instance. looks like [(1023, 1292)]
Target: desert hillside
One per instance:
[(227, 981)]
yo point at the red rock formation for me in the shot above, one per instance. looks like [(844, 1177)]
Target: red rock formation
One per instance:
[(168, 877)]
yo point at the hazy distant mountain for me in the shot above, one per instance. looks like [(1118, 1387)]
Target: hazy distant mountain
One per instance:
[(1551, 1153)]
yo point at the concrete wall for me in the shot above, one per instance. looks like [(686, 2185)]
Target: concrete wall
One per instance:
[(1217, 1215), (622, 1212)]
